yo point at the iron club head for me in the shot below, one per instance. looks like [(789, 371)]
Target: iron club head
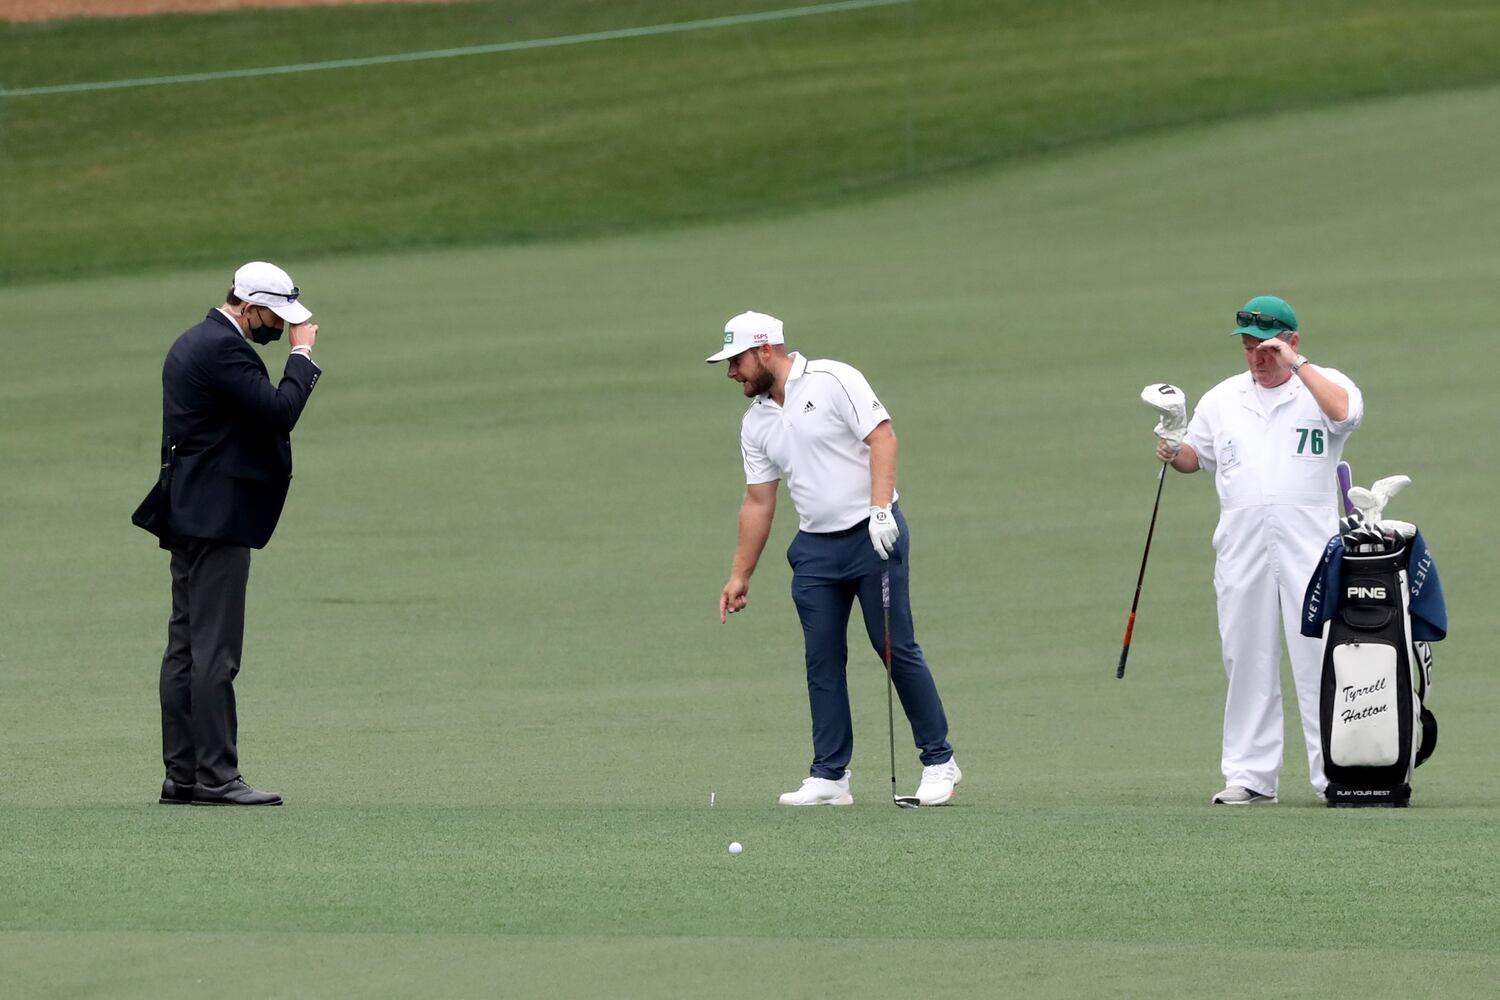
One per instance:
[(906, 801)]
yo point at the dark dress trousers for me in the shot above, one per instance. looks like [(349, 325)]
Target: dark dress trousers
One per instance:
[(226, 466)]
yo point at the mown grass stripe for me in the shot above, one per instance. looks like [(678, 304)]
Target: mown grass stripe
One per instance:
[(703, 24)]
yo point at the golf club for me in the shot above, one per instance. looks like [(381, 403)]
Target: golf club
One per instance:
[(902, 801), (1161, 478), (1346, 480)]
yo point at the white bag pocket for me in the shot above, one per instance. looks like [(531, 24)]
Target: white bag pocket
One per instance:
[(1366, 725)]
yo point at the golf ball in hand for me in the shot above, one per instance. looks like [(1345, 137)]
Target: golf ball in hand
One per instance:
[(735, 847)]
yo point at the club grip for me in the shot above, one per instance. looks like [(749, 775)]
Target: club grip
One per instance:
[(1125, 649)]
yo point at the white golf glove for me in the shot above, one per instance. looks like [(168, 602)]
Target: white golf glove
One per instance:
[(1168, 401), (883, 531)]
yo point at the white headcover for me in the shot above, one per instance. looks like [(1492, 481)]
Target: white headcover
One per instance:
[(1371, 502), (1169, 401)]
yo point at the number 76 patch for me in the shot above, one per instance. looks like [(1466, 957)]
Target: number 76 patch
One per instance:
[(1309, 440)]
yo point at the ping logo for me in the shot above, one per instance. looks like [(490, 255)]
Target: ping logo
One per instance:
[(728, 336), (1369, 593)]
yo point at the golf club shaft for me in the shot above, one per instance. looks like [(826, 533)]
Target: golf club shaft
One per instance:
[(1161, 479), (890, 710)]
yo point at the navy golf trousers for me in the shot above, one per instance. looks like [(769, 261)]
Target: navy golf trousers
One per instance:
[(829, 570)]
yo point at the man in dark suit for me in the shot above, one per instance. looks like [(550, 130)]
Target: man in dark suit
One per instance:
[(226, 466)]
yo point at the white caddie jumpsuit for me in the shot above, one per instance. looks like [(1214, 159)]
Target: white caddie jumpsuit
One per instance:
[(1274, 455)]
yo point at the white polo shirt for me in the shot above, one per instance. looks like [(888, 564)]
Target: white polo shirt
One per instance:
[(1272, 447), (816, 442)]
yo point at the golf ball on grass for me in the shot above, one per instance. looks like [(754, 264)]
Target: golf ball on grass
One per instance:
[(735, 847)]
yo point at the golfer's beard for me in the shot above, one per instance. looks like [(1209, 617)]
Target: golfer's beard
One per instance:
[(760, 384)]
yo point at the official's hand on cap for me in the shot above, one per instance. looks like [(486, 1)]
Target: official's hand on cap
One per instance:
[(302, 334)]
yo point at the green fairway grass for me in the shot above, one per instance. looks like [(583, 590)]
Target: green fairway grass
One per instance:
[(484, 663), (630, 134)]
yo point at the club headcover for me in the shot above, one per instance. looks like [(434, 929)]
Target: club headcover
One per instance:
[(1169, 401), (1371, 502)]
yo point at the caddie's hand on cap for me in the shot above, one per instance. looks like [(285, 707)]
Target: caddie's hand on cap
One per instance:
[(1283, 351), (302, 334), (1171, 427), (883, 531)]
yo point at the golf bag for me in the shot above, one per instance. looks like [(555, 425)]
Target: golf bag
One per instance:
[(1377, 602)]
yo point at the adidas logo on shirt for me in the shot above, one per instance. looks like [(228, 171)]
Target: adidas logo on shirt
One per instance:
[(809, 407)]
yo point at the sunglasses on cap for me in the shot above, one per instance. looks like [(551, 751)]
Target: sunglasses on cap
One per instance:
[(292, 295), (1254, 319)]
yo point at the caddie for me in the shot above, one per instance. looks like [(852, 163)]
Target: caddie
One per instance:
[(819, 426), (1273, 437)]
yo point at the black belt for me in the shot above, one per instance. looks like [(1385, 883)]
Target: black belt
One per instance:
[(842, 532), (846, 532)]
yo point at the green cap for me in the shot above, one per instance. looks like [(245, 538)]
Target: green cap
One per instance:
[(1266, 308)]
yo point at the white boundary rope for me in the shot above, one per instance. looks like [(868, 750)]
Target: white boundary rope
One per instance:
[(469, 50)]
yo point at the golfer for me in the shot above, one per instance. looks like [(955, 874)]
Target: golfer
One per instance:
[(819, 426), (1272, 436), (225, 470)]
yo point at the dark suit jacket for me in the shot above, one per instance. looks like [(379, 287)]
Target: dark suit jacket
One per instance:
[(226, 438)]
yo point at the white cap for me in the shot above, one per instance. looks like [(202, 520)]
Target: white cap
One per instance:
[(748, 330), (264, 284)]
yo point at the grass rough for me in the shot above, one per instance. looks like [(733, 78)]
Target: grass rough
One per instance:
[(625, 136)]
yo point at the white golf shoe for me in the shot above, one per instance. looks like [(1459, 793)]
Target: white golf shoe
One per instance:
[(1239, 795), (938, 781), (820, 792)]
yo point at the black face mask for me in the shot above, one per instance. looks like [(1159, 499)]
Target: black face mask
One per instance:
[(264, 334)]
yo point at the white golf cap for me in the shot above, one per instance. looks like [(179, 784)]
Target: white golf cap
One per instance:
[(264, 284), (747, 330)]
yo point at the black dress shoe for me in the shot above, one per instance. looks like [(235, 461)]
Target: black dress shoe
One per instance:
[(174, 794), (236, 793)]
